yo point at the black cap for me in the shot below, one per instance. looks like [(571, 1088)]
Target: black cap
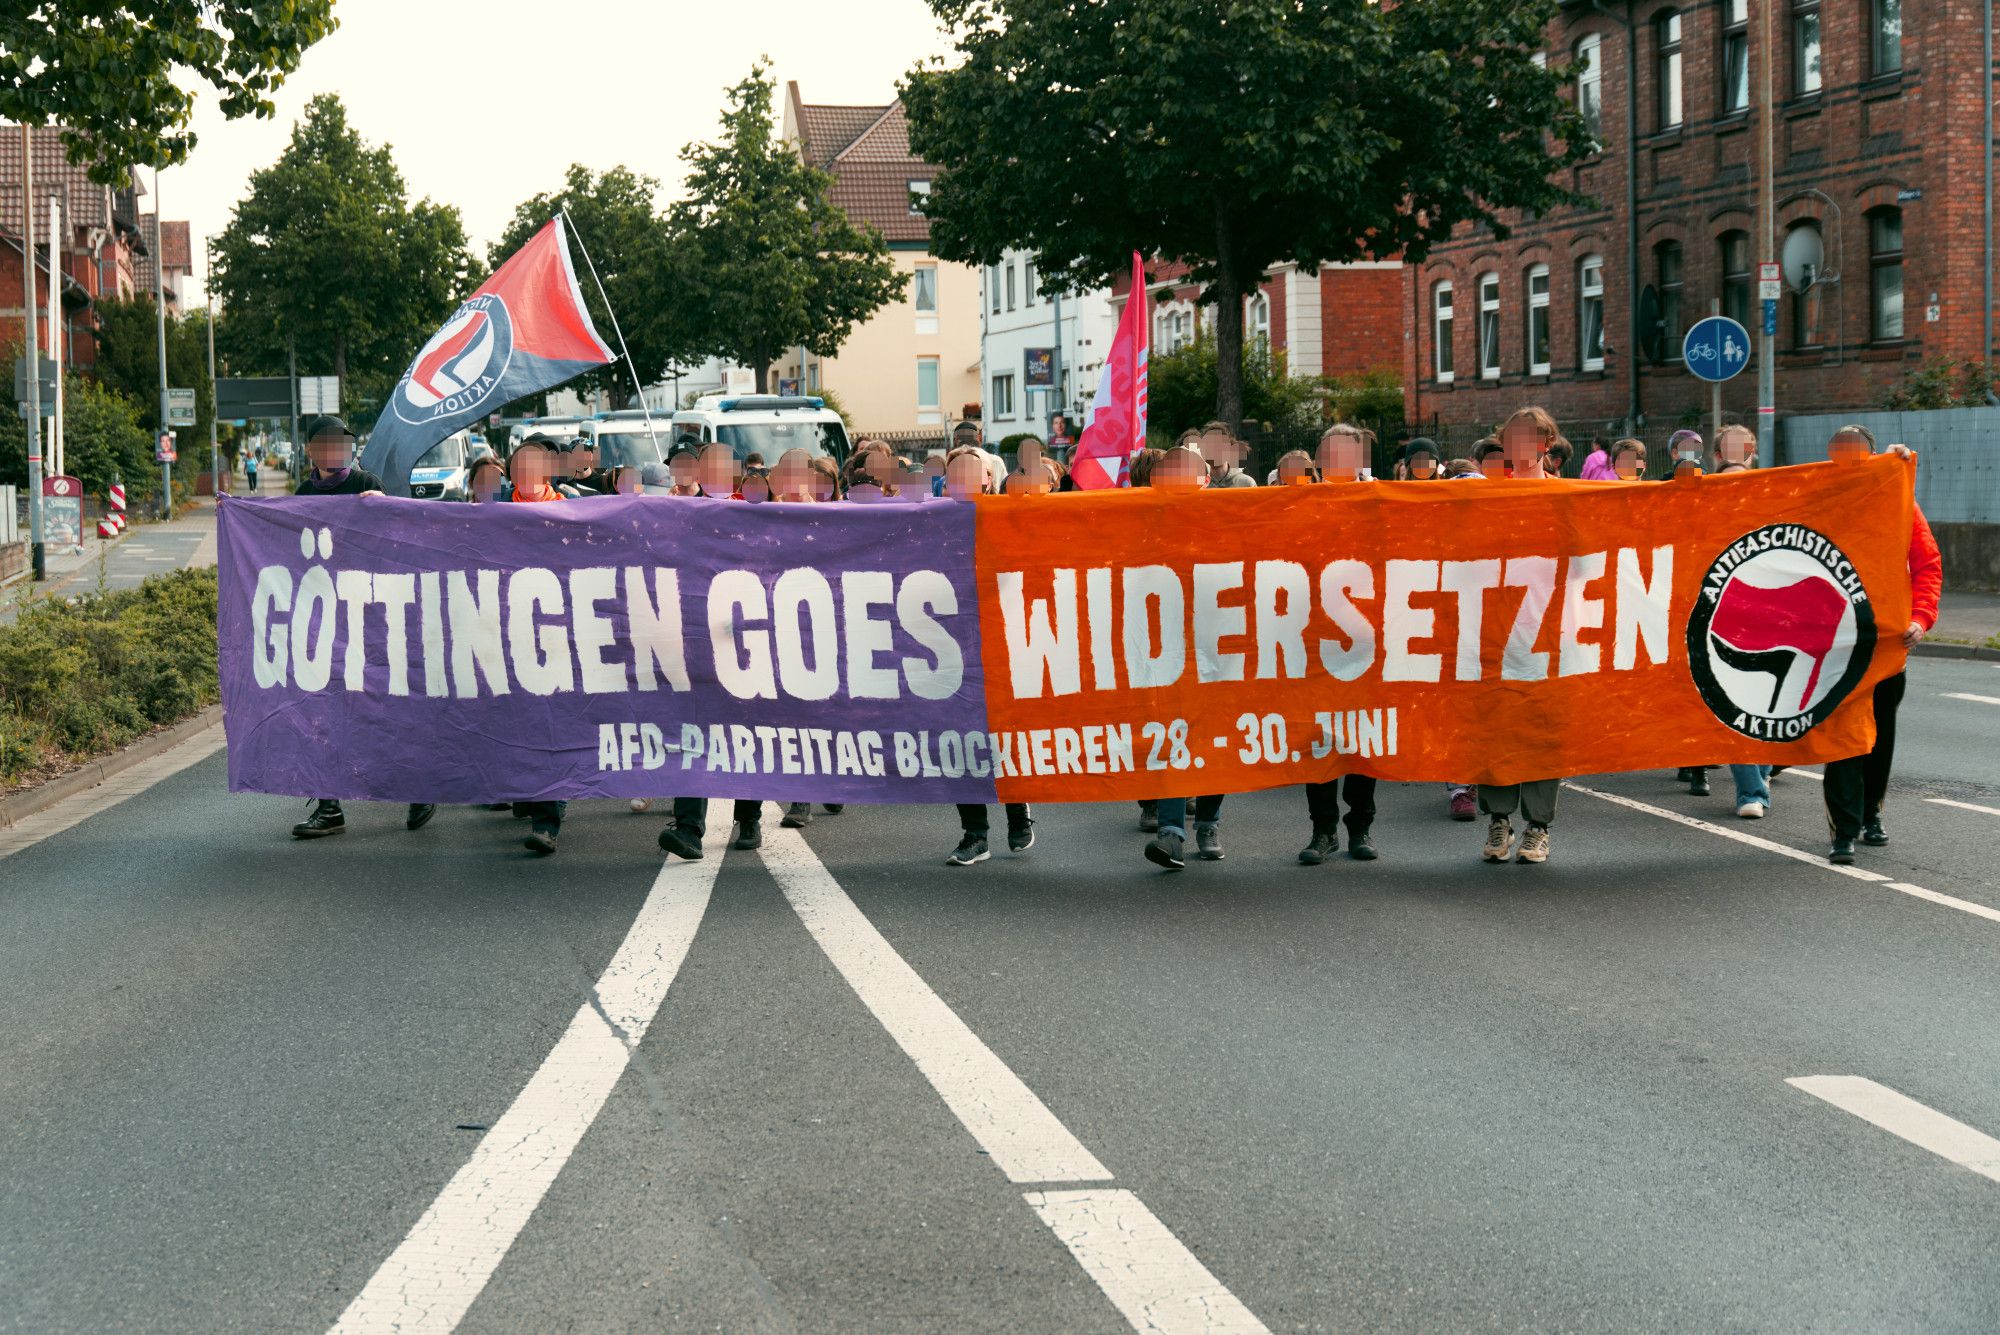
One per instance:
[(327, 425), (547, 442)]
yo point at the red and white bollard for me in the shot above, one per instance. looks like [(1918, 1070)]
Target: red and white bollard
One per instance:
[(117, 515), (107, 527)]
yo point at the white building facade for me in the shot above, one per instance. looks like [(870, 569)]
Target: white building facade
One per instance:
[(1018, 339)]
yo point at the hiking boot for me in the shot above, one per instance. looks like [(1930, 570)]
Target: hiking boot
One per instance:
[(542, 837), (681, 843), (1208, 843), (1325, 843), (1873, 835), (971, 849), (749, 835), (1360, 847), (1149, 818), (797, 816), (420, 815), (1165, 850), (1685, 774), (1751, 811), (1499, 834), (1463, 806), (1842, 852), (326, 818), (1698, 785), (1534, 844), (1021, 838)]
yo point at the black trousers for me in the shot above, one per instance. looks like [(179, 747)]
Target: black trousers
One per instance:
[(1323, 801), (1856, 786), (972, 816), (691, 814), (552, 812)]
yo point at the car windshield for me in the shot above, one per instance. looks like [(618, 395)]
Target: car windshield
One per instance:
[(447, 453), (772, 439), (629, 449)]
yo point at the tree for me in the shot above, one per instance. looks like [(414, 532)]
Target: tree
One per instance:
[(761, 259), (104, 440), (1181, 390), (616, 222), (107, 72), (327, 250), (128, 360), (1234, 135)]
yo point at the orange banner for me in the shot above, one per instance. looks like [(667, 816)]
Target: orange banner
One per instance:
[(1146, 643)]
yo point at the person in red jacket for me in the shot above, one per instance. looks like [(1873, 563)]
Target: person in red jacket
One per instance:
[(1856, 786)]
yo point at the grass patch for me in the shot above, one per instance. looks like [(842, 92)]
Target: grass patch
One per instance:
[(80, 679)]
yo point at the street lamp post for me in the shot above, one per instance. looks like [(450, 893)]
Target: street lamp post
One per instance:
[(34, 361), (160, 318)]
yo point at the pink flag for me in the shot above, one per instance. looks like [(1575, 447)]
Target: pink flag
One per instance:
[(1117, 427)]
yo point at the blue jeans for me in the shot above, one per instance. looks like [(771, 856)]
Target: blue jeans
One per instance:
[(1173, 814), (1753, 783)]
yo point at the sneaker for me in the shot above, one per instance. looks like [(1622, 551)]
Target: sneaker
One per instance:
[(1873, 835), (1360, 847), (1149, 820), (1534, 844), (1208, 843), (971, 849), (1463, 806), (1325, 843), (749, 835), (681, 843), (420, 815), (797, 816), (1499, 834), (542, 837), (1021, 838), (641, 805), (1842, 853), (1698, 785), (326, 818), (1751, 811), (833, 808), (1165, 850)]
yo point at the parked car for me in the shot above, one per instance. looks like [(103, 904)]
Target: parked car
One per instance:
[(766, 424), (441, 475)]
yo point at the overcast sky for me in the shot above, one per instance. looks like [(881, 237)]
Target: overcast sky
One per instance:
[(488, 101)]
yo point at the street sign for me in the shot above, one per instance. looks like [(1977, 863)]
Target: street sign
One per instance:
[(1038, 368), (253, 396), (319, 394), (180, 407), (1716, 348), (1770, 317), (47, 377)]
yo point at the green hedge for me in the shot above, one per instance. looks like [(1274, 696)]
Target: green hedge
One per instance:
[(80, 679)]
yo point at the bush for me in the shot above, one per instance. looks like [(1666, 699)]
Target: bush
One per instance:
[(1181, 388), (1941, 382), (80, 679)]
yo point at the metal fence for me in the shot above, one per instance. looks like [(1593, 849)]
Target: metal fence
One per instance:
[(1958, 455)]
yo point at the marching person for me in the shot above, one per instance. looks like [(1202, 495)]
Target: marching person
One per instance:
[(533, 467), (1855, 787), (330, 447), (1342, 459)]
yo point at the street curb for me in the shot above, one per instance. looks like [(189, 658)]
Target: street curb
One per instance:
[(1933, 649), (15, 809)]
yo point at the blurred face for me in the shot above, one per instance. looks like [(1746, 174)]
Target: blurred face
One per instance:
[(1181, 470), (1423, 467), (487, 483), (583, 459), (1685, 467), (1735, 447), (911, 483), (1847, 447), (1220, 450), (881, 470), (1034, 481), (329, 454), (934, 465), (533, 466), (793, 479), (1028, 456), (756, 488), (1628, 465), (1340, 458), (964, 477), (1524, 446), (1494, 465), (718, 472), (685, 469), (1294, 470), (627, 482)]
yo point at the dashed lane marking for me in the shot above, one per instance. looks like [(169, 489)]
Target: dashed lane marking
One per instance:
[(432, 1278), (1963, 806), (1146, 1272), (1976, 699), (1901, 1115)]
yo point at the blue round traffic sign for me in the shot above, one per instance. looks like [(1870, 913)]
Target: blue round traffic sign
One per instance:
[(1716, 348)]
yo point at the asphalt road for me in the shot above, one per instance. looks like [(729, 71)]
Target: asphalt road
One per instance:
[(1421, 1094)]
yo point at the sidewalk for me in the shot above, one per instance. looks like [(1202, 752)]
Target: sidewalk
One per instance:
[(1968, 618)]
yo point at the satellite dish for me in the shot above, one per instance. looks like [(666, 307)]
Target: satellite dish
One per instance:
[(1652, 336), (1804, 258)]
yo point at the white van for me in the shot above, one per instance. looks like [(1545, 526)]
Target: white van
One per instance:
[(765, 424), (628, 439)]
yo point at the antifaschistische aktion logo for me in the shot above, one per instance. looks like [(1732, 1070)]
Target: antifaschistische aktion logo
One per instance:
[(462, 364), (1782, 632)]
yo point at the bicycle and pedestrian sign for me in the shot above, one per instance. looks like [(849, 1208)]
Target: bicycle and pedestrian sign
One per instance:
[(1716, 348)]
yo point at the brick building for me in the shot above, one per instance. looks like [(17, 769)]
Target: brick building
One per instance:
[(1877, 150), (1344, 320), (178, 252)]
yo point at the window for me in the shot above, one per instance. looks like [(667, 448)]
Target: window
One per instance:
[(1885, 274), (1590, 84), (919, 192), (927, 383), (1805, 48), (1735, 56), (1885, 36), (993, 286), (1003, 396), (1010, 285), (1028, 281), (1441, 331), (1590, 312), (1667, 46), (1667, 266), (1257, 318), (1538, 320), (1735, 256), (1805, 305), (1489, 326), (923, 289)]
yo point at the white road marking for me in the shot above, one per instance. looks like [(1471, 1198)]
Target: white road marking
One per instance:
[(432, 1278), (1976, 699), (1154, 1281), (1146, 1272), (1901, 1115), (93, 801), (1812, 774), (1963, 806), (1800, 855)]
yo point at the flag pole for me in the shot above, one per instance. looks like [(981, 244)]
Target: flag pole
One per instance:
[(623, 351)]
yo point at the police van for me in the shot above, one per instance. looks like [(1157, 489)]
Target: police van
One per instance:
[(444, 471), (764, 424)]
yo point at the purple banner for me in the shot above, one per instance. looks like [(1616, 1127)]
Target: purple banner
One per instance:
[(412, 651)]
